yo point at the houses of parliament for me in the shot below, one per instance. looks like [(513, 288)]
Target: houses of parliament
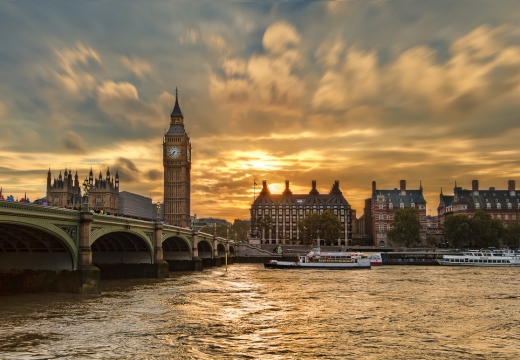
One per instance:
[(104, 194)]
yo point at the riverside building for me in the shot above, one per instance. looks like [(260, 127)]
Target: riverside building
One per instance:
[(385, 203), (287, 209), (500, 204)]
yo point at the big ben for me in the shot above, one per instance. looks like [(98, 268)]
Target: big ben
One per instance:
[(177, 169)]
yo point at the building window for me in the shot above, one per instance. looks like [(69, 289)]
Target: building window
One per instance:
[(380, 206), (509, 205), (506, 217), (488, 205), (499, 217), (513, 217), (390, 206), (499, 206), (401, 205)]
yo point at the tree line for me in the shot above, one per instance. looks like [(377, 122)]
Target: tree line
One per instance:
[(480, 230)]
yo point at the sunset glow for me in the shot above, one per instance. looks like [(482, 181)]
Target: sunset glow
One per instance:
[(353, 91)]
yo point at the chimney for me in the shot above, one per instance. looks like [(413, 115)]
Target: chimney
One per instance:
[(511, 185), (287, 190), (265, 190), (373, 187), (402, 185), (474, 185), (492, 188), (314, 190), (336, 184)]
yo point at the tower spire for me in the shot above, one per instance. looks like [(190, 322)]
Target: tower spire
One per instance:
[(176, 112)]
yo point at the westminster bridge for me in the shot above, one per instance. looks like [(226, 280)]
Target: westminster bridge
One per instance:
[(72, 250)]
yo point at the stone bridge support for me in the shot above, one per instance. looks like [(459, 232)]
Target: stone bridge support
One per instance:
[(195, 253), (162, 266), (87, 277), (217, 261)]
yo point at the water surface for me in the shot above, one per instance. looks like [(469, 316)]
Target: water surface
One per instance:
[(398, 312)]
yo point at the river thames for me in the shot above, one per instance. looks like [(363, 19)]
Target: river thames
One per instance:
[(403, 312)]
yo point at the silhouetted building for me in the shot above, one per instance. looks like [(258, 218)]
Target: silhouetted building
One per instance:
[(104, 193), (64, 191), (287, 209)]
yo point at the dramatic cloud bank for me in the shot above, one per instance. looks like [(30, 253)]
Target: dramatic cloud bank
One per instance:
[(351, 91)]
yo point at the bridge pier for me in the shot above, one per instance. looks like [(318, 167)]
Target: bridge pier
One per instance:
[(163, 267), (197, 262), (86, 278)]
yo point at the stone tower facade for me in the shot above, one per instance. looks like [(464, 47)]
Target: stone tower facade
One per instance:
[(64, 191), (177, 170), (104, 193)]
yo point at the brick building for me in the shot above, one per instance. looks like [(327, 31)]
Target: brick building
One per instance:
[(385, 203), (501, 204), (287, 209)]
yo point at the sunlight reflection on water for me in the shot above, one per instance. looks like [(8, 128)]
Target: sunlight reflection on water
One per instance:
[(251, 312)]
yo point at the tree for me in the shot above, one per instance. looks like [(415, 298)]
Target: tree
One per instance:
[(241, 229), (329, 227), (407, 228), (309, 228), (485, 230), (431, 241), (222, 230), (261, 223), (458, 230), (512, 235)]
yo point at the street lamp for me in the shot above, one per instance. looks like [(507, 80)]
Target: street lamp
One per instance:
[(86, 189), (158, 211), (214, 229)]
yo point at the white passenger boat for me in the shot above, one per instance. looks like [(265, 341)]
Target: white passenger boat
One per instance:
[(493, 258), (317, 259)]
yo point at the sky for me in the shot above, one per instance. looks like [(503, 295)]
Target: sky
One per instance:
[(355, 91)]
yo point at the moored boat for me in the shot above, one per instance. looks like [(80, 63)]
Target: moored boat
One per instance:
[(317, 259), (487, 258), (375, 260)]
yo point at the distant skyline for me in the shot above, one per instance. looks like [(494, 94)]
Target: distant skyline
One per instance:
[(353, 91)]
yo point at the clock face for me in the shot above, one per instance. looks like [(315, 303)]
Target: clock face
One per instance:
[(174, 152)]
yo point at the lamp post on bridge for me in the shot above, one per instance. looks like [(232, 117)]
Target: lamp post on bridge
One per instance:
[(86, 189), (158, 218)]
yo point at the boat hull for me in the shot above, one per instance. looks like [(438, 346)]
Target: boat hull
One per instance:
[(322, 266), (448, 263)]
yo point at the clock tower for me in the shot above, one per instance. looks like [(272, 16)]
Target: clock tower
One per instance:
[(177, 169)]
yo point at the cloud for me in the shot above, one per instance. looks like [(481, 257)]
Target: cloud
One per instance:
[(73, 142), (120, 101), (264, 82), (139, 67), (3, 110), (470, 78), (279, 37)]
